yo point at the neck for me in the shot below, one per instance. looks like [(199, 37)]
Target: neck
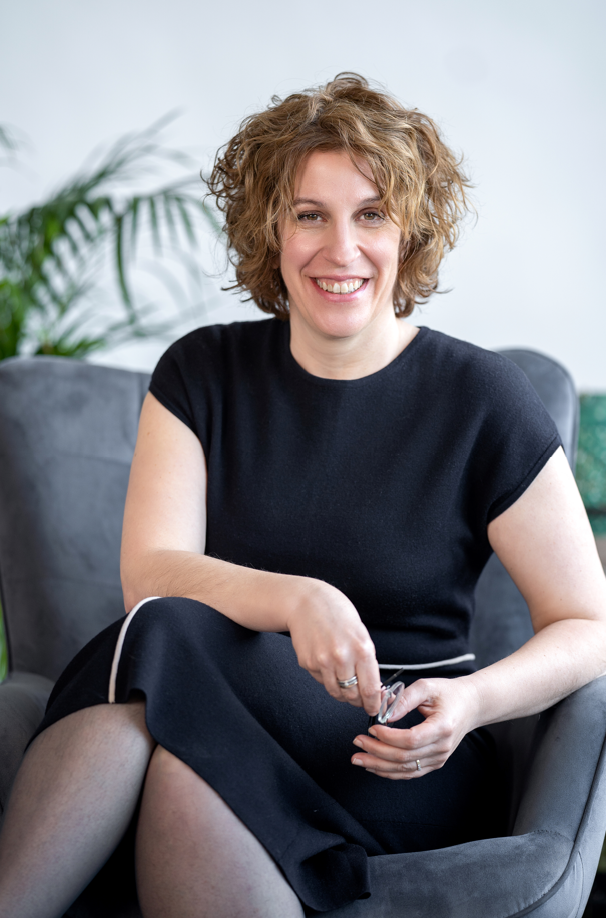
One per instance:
[(351, 357)]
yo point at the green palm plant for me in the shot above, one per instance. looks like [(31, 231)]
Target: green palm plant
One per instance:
[(50, 254)]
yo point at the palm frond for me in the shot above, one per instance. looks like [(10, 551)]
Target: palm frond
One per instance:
[(7, 139), (49, 251)]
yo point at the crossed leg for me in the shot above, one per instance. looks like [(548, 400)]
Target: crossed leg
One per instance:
[(73, 799), (195, 859)]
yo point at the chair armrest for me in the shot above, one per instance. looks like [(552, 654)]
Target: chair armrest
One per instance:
[(567, 763), (546, 867), (23, 698), (566, 788)]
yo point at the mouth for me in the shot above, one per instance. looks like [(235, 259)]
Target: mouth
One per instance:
[(347, 285)]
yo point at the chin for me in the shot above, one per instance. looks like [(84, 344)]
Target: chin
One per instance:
[(342, 323), (340, 326)]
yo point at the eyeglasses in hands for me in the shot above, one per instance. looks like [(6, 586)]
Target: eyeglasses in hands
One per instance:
[(390, 695)]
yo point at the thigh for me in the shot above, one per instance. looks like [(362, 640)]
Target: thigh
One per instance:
[(234, 705), (258, 672)]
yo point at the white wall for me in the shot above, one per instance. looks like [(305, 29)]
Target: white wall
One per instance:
[(518, 85)]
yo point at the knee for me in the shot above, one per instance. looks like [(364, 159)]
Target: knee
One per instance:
[(165, 765), (173, 793), (168, 776)]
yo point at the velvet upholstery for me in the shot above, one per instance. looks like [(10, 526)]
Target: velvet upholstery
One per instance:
[(67, 433)]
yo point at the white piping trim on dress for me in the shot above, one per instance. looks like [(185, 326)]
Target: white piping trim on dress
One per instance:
[(462, 659), (119, 644)]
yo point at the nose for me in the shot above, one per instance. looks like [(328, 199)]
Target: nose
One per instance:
[(341, 246)]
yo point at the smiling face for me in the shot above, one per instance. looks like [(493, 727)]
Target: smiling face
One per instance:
[(340, 251)]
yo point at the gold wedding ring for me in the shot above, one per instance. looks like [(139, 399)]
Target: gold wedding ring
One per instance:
[(418, 765)]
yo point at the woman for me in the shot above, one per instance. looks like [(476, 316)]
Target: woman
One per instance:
[(318, 496)]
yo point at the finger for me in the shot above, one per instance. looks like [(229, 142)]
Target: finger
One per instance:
[(409, 769), (424, 695), (328, 679), (396, 754), (317, 675), (410, 698), (331, 683), (349, 693), (369, 683), (332, 678), (433, 730)]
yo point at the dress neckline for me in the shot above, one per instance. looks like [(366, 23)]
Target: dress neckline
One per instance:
[(387, 370)]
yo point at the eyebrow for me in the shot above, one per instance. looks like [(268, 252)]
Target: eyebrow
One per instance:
[(365, 203)]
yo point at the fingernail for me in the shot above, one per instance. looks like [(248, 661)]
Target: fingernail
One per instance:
[(372, 732), (357, 761), (358, 742)]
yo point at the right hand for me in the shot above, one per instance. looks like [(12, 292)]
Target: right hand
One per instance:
[(332, 644)]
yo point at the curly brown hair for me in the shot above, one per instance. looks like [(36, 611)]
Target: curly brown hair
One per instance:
[(421, 182)]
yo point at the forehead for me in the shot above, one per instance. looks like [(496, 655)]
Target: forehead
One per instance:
[(329, 174)]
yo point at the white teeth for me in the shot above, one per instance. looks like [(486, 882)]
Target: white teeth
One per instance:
[(345, 287)]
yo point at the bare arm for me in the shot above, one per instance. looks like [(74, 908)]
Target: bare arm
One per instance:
[(545, 542), (163, 555), (164, 530)]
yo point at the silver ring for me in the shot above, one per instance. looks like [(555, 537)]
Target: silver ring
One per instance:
[(418, 765), (347, 683)]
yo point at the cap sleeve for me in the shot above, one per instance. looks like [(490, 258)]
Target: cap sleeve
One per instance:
[(169, 387), (516, 439), (186, 382)]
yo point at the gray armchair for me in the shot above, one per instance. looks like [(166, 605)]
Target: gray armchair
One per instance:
[(67, 433)]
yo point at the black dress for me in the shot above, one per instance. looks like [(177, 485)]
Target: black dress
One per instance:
[(382, 486)]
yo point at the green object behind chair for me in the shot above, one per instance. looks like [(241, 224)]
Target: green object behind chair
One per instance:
[(591, 460), (3, 651)]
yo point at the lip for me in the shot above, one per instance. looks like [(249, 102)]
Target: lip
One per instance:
[(339, 297)]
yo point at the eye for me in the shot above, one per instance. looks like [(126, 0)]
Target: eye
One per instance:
[(372, 216), (309, 218)]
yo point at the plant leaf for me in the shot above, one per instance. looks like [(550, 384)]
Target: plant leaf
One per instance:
[(50, 254)]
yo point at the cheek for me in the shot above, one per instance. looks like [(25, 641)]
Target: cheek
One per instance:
[(287, 255), (390, 257), (284, 264), (295, 255)]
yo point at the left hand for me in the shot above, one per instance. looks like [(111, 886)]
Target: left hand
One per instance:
[(450, 708)]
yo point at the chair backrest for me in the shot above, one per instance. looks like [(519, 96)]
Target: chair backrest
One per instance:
[(67, 435)]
